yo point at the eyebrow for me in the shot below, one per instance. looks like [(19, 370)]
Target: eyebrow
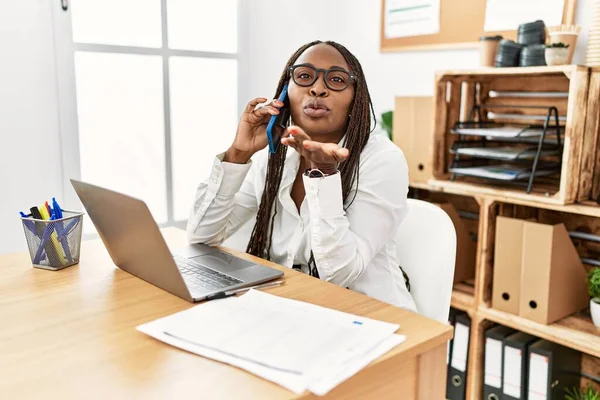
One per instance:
[(332, 67)]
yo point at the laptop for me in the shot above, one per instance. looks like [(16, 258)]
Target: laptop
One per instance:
[(136, 245)]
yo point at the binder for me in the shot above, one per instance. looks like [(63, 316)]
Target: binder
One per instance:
[(456, 387), (514, 377), (507, 264), (451, 320), (492, 381), (552, 369)]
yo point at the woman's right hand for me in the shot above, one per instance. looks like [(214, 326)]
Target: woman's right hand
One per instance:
[(251, 135)]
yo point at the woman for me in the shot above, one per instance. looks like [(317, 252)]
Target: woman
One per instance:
[(332, 205)]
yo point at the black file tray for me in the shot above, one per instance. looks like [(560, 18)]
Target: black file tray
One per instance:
[(506, 172), (545, 140), (494, 130), (473, 148)]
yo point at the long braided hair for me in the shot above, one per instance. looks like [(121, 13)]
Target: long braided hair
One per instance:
[(357, 135)]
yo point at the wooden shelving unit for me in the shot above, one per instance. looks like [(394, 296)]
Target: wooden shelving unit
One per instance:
[(571, 200), (575, 331), (462, 299)]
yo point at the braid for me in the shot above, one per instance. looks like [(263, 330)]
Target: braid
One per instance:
[(357, 136)]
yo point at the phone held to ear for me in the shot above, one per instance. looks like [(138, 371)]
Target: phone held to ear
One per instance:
[(277, 123)]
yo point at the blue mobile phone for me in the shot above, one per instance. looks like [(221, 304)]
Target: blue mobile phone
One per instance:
[(277, 123)]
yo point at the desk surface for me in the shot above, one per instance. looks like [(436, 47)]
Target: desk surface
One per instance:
[(72, 332)]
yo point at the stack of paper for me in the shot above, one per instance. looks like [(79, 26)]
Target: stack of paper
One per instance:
[(297, 345)]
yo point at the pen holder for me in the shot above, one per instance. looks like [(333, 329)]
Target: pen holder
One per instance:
[(54, 244)]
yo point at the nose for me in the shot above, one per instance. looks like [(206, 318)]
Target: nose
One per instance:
[(319, 89)]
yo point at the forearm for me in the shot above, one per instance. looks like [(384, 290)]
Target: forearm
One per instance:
[(221, 204)]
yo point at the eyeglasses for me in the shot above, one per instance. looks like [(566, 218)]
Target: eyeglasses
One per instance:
[(336, 78)]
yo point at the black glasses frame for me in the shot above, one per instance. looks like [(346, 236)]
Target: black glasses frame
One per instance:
[(325, 72)]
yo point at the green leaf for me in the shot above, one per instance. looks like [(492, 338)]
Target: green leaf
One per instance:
[(593, 282), (386, 122)]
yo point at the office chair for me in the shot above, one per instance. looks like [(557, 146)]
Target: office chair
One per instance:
[(426, 248)]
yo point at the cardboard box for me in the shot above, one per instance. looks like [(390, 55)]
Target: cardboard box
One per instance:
[(466, 248), (553, 282), (413, 133), (507, 264)]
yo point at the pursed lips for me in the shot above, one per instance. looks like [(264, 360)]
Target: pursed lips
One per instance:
[(315, 109)]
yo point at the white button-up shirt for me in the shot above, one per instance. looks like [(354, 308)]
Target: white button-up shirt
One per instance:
[(355, 248)]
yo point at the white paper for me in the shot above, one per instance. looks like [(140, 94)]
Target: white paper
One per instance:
[(460, 347), (538, 377), (493, 363), (411, 18), (512, 372), (267, 352), (507, 15)]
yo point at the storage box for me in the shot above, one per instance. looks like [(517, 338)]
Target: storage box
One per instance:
[(537, 271), (413, 133), (507, 264)]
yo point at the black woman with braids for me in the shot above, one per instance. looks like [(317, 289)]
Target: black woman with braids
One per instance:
[(331, 204)]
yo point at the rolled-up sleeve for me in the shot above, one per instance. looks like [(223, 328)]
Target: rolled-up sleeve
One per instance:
[(345, 242), (222, 203)]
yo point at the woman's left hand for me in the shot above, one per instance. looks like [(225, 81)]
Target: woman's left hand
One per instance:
[(324, 156)]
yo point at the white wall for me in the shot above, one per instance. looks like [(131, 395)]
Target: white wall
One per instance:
[(30, 162), (276, 29)]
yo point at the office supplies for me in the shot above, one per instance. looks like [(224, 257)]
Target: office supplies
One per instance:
[(136, 246), (553, 277), (277, 123), (494, 336), (552, 368), (52, 245), (48, 210), (60, 228), (229, 293), (53, 238), (507, 264), (56, 208), (44, 231), (514, 377), (460, 354), (246, 332)]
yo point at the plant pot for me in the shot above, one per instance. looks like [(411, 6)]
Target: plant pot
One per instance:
[(569, 38), (595, 310), (556, 55)]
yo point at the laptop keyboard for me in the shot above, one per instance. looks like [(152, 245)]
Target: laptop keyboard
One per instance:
[(201, 278)]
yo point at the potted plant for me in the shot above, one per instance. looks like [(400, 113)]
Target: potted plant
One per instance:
[(386, 122), (593, 281), (577, 394), (557, 53)]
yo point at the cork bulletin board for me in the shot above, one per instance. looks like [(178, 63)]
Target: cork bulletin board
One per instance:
[(460, 23)]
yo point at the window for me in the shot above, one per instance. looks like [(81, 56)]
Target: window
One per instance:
[(156, 95)]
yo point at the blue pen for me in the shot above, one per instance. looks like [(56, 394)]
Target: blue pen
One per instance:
[(62, 232)]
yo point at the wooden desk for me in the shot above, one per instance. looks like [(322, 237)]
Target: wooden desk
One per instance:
[(71, 335)]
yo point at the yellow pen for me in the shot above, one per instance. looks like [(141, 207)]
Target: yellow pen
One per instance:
[(53, 237)]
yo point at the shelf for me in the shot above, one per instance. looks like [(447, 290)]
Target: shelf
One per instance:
[(463, 297), (565, 69), (575, 331), (514, 197)]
